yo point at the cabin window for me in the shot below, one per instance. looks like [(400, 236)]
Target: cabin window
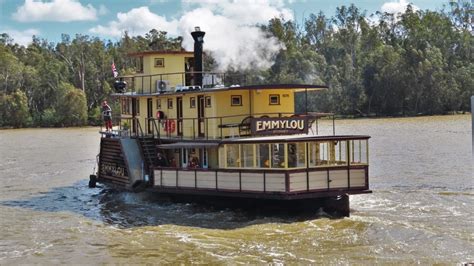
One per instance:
[(297, 154), (236, 100), (340, 152), (278, 155), (159, 62), (158, 103), (247, 155), (274, 99), (208, 101), (318, 153), (262, 154), (192, 102), (358, 151), (232, 154), (170, 103)]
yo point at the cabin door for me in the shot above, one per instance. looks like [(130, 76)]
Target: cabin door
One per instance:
[(134, 115), (149, 108), (201, 118), (179, 115)]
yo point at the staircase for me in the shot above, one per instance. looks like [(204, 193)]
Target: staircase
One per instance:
[(149, 151)]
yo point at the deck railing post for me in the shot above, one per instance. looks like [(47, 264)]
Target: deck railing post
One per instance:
[(240, 180), (264, 182), (207, 128), (220, 125), (333, 125)]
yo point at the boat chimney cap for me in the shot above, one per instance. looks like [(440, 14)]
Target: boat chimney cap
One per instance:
[(197, 28)]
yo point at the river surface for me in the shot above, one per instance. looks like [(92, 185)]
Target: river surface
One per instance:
[(421, 210)]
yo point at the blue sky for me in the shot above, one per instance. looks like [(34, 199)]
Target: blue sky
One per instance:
[(108, 19)]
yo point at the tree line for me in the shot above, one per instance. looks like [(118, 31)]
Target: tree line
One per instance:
[(418, 62)]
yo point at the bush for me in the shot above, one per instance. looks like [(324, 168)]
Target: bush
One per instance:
[(72, 108), (14, 110)]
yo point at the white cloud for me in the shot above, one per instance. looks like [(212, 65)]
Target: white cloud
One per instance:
[(137, 21), (396, 7), (232, 34), (22, 37), (57, 10)]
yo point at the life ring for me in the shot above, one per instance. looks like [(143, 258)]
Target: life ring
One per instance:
[(170, 126), (160, 115)]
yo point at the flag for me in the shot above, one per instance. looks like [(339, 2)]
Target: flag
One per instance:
[(114, 70)]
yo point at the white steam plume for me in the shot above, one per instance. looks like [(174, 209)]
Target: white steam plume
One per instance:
[(232, 35)]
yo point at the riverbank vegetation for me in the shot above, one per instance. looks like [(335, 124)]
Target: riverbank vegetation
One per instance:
[(418, 62)]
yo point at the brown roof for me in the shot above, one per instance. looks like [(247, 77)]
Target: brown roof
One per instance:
[(160, 52)]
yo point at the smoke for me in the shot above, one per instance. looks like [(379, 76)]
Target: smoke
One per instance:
[(232, 33), (233, 36)]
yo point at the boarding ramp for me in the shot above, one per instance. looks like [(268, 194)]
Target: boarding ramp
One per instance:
[(134, 160)]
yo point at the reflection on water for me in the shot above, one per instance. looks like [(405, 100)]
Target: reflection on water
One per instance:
[(420, 211)]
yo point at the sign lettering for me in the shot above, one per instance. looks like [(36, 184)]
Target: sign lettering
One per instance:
[(280, 125)]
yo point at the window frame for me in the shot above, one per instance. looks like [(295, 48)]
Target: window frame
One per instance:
[(207, 101), (232, 97), (170, 103), (159, 62), (277, 98), (192, 102)]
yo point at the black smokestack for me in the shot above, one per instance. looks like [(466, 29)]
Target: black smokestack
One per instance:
[(198, 37)]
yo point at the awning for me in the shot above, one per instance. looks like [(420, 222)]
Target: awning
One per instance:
[(188, 145)]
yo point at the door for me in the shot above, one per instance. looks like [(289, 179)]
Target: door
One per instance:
[(149, 115), (179, 115), (134, 115), (201, 117)]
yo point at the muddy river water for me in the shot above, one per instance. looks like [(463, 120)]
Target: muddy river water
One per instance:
[(421, 210)]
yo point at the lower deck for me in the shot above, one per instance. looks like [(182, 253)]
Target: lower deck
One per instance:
[(301, 183), (285, 169)]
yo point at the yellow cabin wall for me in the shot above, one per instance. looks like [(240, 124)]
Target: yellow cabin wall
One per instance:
[(220, 107), (261, 102), (173, 63)]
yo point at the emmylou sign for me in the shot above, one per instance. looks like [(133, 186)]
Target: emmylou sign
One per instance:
[(279, 125)]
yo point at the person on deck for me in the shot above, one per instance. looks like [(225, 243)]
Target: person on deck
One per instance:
[(107, 116)]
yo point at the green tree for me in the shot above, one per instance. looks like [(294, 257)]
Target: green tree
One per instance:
[(72, 108)]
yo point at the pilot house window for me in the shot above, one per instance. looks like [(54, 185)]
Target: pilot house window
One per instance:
[(236, 100), (274, 99), (159, 62)]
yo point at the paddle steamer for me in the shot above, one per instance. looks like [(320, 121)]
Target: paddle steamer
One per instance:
[(188, 133)]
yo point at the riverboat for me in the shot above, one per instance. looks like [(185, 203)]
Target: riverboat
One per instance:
[(187, 133)]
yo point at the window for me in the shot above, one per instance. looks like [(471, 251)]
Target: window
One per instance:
[(247, 155), (274, 99), (236, 100), (158, 103), (170, 103), (192, 102), (232, 152), (208, 101), (278, 155), (263, 160), (318, 153), (159, 62), (297, 154)]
